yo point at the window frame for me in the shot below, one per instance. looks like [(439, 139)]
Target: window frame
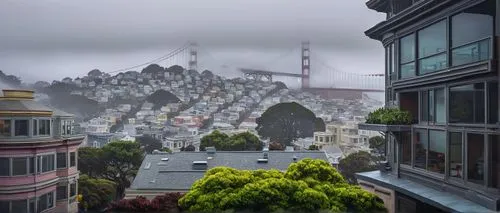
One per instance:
[(65, 158), (59, 194), (413, 61), (444, 52), (28, 126), (39, 163), (72, 159)]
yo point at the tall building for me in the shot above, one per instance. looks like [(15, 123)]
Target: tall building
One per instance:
[(38, 156), (441, 61)]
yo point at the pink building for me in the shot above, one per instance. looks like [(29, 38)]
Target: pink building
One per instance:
[(38, 156)]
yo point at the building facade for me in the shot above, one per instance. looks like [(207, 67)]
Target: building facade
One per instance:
[(38, 156), (442, 66)]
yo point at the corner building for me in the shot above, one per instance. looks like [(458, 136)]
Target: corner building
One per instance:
[(441, 61), (38, 156)]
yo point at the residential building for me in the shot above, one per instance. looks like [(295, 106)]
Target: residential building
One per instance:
[(441, 65), (160, 173), (38, 156)]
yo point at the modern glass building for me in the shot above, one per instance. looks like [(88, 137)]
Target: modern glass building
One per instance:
[(38, 156), (441, 61)]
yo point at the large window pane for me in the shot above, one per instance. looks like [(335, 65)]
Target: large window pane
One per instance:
[(20, 206), (432, 40), (432, 64), (19, 166), (493, 102), (407, 70), (467, 104), (440, 106), (61, 160), (406, 148), (4, 166), (407, 49), (44, 127), (473, 24), (5, 126), (4, 206), (420, 146), (437, 149), (62, 192), (478, 51), (47, 163), (494, 162), (456, 166), (475, 158), (42, 202), (21, 127), (424, 106), (72, 159)]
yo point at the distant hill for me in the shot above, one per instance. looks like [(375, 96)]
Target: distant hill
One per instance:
[(78, 105), (161, 98)]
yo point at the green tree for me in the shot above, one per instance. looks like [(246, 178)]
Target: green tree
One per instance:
[(275, 146), (285, 122), (377, 143), (357, 162), (307, 186), (166, 149), (122, 160), (189, 148), (216, 139), (149, 144), (97, 193), (319, 125), (245, 141), (90, 161)]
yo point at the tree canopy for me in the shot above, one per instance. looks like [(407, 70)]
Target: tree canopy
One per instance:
[(357, 162), (307, 186), (153, 69), (176, 69), (245, 141), (285, 122), (117, 161), (189, 148), (161, 98), (149, 144), (96, 192), (377, 143)]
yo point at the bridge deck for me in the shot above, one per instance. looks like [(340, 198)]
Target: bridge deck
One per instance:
[(264, 72)]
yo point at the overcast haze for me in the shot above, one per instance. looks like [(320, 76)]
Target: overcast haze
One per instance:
[(46, 40)]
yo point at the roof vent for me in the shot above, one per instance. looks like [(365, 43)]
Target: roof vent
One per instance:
[(262, 160), (294, 158), (148, 165), (164, 159), (200, 162), (200, 165)]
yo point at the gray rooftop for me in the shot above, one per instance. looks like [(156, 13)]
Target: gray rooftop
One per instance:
[(178, 173), (22, 105), (444, 200)]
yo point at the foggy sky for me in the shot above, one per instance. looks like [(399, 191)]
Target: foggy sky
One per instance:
[(47, 40)]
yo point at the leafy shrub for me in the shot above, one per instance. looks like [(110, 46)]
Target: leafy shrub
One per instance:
[(389, 116), (161, 203)]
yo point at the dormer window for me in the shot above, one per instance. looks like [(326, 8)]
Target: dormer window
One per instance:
[(42, 126), (21, 127)]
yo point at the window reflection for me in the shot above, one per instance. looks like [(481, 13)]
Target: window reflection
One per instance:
[(420, 146), (494, 163), (492, 102), (475, 158), (467, 104), (437, 149), (456, 166), (432, 64), (406, 148)]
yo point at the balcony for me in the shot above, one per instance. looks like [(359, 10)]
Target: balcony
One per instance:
[(388, 120)]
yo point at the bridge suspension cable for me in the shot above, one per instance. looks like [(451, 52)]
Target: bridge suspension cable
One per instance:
[(156, 60)]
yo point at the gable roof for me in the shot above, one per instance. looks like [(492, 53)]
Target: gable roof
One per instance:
[(177, 173)]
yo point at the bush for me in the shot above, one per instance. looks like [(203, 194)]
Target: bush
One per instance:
[(389, 116), (161, 203)]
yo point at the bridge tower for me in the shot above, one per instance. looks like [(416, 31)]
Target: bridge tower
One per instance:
[(306, 64), (193, 56)]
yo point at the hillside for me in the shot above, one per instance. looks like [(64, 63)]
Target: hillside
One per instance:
[(161, 98)]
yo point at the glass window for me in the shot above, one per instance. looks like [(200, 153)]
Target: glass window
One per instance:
[(431, 105), (432, 64), (19, 166), (494, 162), (72, 159), (320, 139), (432, 40), (50, 200), (456, 166), (47, 163), (35, 127), (4, 166), (61, 160), (5, 128), (62, 192), (44, 127), (32, 205), (4, 206), (470, 32), (437, 149), (420, 146), (393, 63), (21, 127), (406, 148), (475, 158), (20, 206), (424, 106), (440, 106), (42, 203), (72, 189), (467, 104), (492, 102), (31, 164), (407, 56)]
